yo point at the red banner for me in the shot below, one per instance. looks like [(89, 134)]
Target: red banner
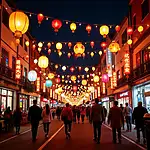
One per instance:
[(127, 63), (18, 69)]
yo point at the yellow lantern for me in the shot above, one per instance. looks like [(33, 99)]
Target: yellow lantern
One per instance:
[(104, 30), (73, 78), (56, 66), (39, 49), (40, 44), (100, 53), (18, 23), (92, 54), (79, 49), (58, 46), (84, 82), (86, 69), (114, 47), (35, 61), (93, 68), (27, 43), (17, 41), (43, 62), (60, 53), (96, 78), (129, 41), (140, 29), (64, 68), (51, 75), (73, 27)]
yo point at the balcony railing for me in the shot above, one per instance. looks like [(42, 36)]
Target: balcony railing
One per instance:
[(141, 71)]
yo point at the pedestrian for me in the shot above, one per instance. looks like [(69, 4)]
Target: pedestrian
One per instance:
[(97, 117), (138, 117), (115, 117), (17, 116), (47, 117), (78, 114), (8, 119), (83, 112), (74, 111), (67, 118), (127, 111), (88, 112), (122, 108), (58, 113), (34, 116), (105, 113), (53, 113)]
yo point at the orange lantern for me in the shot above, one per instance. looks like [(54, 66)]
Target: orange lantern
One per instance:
[(73, 27), (72, 69), (83, 55), (104, 30), (73, 78), (69, 45), (56, 24), (40, 18), (140, 29), (79, 49), (88, 28), (117, 28), (129, 41), (103, 45), (69, 55), (48, 44), (49, 51), (114, 47), (129, 30), (33, 46), (59, 46), (92, 44), (57, 80)]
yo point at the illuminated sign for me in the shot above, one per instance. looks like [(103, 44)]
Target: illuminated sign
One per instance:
[(95, 93), (125, 94), (127, 64), (99, 91), (111, 83), (105, 99), (114, 79), (38, 84), (109, 62), (44, 87), (18, 69), (103, 88), (51, 93)]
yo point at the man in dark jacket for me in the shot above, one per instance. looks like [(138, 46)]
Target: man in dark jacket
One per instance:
[(97, 116), (34, 116), (138, 115)]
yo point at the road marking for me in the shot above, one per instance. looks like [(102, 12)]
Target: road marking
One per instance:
[(128, 139), (15, 136), (51, 138)]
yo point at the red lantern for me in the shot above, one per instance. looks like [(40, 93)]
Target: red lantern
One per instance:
[(129, 30), (33, 46), (27, 57), (69, 55), (72, 69), (105, 78), (49, 51), (48, 44), (57, 80), (40, 18), (75, 88), (92, 44), (56, 24), (88, 28), (117, 28), (80, 68), (69, 45), (103, 45)]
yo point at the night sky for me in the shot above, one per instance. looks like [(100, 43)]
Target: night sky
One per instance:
[(110, 12)]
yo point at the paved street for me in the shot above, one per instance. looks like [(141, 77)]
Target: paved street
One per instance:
[(82, 136)]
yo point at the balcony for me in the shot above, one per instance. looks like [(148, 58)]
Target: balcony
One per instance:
[(141, 71)]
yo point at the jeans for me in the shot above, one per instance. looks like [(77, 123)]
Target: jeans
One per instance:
[(82, 118), (67, 126), (34, 126), (46, 127), (128, 122), (114, 134), (97, 130)]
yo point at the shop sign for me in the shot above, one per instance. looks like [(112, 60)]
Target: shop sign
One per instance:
[(109, 62), (125, 94), (18, 69), (114, 79), (95, 93), (111, 82), (51, 93), (103, 88), (105, 99), (99, 91), (127, 63), (38, 84), (44, 87)]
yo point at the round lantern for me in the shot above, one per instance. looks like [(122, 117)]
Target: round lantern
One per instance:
[(48, 44), (79, 49), (51, 75), (93, 68), (59, 46), (84, 82), (140, 29), (57, 80), (56, 24), (104, 30), (129, 30), (114, 47), (40, 18), (73, 78), (32, 75), (92, 44), (27, 43), (33, 46), (39, 49), (105, 78), (88, 28), (100, 53), (48, 83), (49, 51), (80, 68), (103, 45), (40, 44), (83, 55), (69, 45), (43, 62), (117, 28), (96, 78), (35, 61), (86, 69), (56, 66), (73, 27), (59, 53), (18, 23), (64, 68), (75, 88), (72, 69), (17, 41), (69, 55), (129, 41), (92, 54)]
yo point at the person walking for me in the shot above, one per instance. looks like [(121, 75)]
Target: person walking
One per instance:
[(47, 117), (74, 110), (78, 114), (97, 117), (67, 117), (17, 116), (83, 113), (58, 112), (138, 117), (53, 113), (105, 113), (34, 116), (127, 111), (122, 108), (8, 119), (115, 117)]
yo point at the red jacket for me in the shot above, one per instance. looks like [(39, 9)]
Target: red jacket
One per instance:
[(67, 112)]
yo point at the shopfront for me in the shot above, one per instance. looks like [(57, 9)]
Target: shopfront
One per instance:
[(44, 101), (32, 98), (105, 102), (24, 102), (7, 99)]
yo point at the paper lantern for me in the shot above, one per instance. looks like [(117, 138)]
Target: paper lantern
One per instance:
[(88, 28), (39, 49), (43, 62), (57, 80), (48, 83), (83, 55), (73, 27), (17, 41), (48, 44), (80, 68), (40, 44), (32, 75), (93, 68), (69, 45), (104, 30), (59, 53), (56, 66), (84, 82), (92, 54), (86, 69), (140, 29), (114, 47), (72, 69), (58, 46), (92, 44), (79, 49), (100, 53), (64, 68), (105, 78), (129, 41), (18, 23), (27, 43), (73, 78), (117, 28), (129, 30), (96, 78), (56, 24), (35, 61), (51, 75), (40, 18), (33, 46), (103, 45), (49, 51), (69, 55), (75, 88)]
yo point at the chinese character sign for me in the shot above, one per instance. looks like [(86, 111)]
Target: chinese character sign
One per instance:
[(99, 91), (111, 82), (114, 79), (38, 84), (109, 62), (127, 63), (103, 88), (44, 87), (18, 69)]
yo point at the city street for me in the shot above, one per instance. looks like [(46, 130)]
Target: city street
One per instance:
[(81, 138)]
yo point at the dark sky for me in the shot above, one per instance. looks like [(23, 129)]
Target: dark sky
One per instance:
[(89, 11)]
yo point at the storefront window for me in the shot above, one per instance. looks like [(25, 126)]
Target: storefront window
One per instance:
[(138, 59), (23, 102), (4, 59)]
